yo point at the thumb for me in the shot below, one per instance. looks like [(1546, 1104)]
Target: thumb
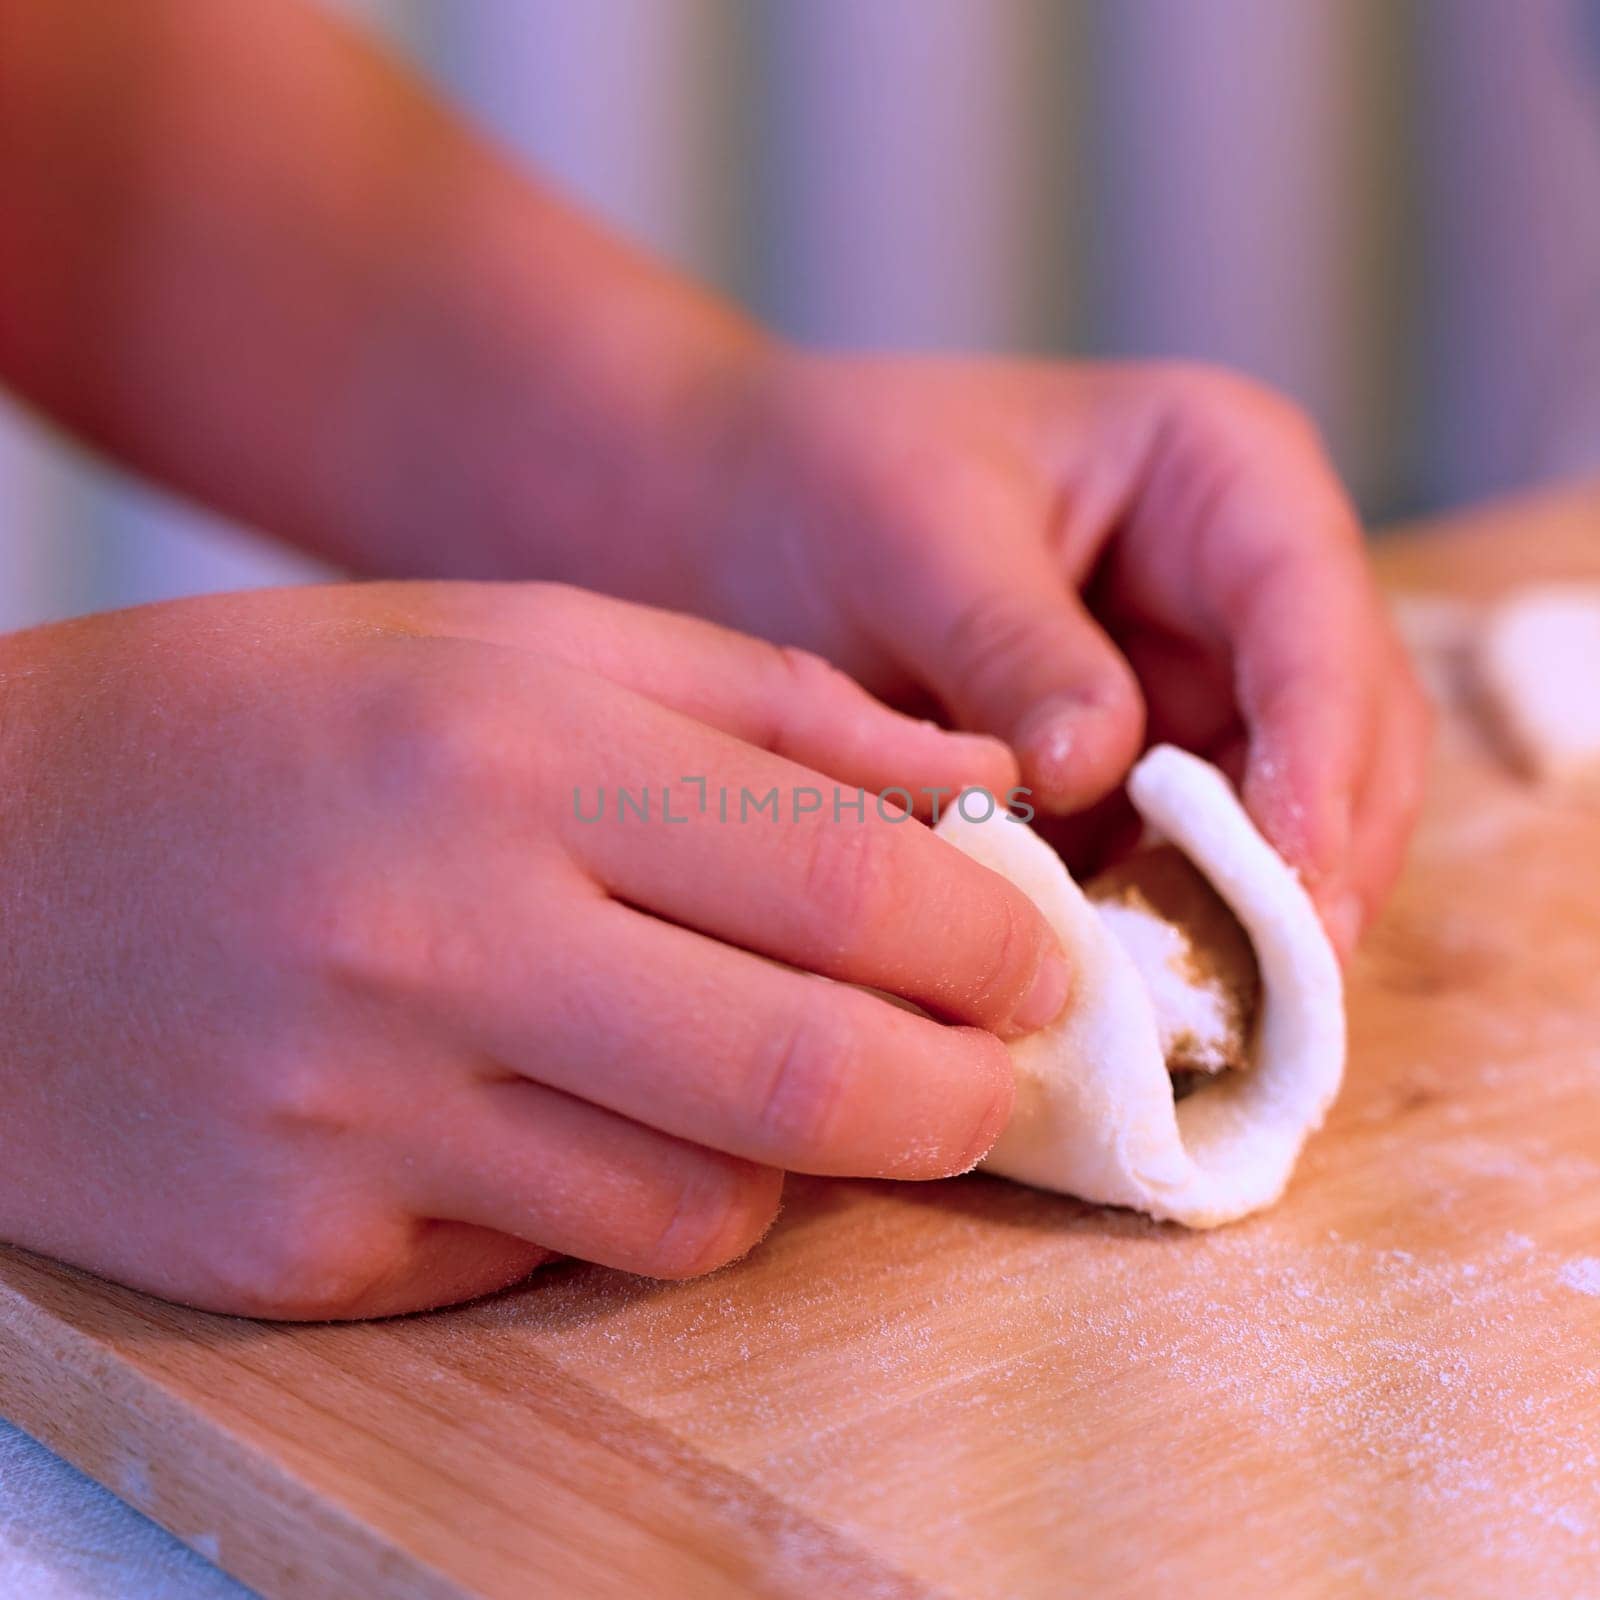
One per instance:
[(1018, 656)]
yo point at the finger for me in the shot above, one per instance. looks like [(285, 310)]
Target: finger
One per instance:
[(1307, 679), (717, 1046), (538, 1165), (443, 1264), (702, 829), (778, 698), (866, 895), (1390, 799), (1010, 649), (1241, 539)]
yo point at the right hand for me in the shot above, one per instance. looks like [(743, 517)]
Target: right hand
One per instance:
[(320, 1001)]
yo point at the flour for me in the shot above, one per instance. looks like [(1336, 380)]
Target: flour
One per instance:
[(1385, 1388), (1582, 1274), (1189, 1015)]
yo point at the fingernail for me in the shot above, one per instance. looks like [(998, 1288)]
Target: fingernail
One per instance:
[(1049, 734), (1046, 1000)]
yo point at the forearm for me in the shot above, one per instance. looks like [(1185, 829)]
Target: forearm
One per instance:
[(251, 256)]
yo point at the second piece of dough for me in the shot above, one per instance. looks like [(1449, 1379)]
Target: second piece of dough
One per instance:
[(1538, 667)]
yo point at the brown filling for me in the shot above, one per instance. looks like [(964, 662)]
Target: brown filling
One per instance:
[(1217, 953)]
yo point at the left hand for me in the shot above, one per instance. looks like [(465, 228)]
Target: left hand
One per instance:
[(1084, 559)]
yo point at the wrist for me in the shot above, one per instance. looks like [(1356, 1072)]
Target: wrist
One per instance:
[(538, 401)]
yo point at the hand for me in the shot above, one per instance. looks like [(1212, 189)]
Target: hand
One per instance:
[(433, 343), (1083, 559), (319, 999)]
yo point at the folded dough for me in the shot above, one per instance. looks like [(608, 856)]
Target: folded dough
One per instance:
[(1095, 1113)]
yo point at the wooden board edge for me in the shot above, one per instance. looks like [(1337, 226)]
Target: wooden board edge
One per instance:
[(61, 1377)]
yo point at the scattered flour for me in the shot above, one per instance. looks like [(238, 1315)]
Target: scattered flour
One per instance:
[(1388, 1390), (1582, 1274)]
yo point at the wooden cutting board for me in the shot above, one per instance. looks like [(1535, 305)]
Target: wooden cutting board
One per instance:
[(1389, 1385)]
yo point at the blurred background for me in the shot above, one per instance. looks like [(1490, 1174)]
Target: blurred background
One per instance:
[(1389, 208)]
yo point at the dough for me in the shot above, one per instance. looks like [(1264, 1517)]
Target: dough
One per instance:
[(1538, 669), (1095, 1114), (1196, 962)]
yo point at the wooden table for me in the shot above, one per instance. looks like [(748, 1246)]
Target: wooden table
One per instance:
[(1388, 1385)]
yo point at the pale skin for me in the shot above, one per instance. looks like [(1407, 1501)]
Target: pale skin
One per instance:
[(319, 1000)]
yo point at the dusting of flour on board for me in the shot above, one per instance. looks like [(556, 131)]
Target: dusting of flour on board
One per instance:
[(1387, 1385), (1583, 1274)]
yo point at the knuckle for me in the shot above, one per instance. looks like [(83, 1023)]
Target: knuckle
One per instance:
[(989, 628), (1009, 955), (798, 680), (447, 749), (368, 936), (719, 1213), (1208, 385), (299, 1269), (803, 673), (292, 1092), (1202, 387), (803, 1086), (432, 740), (847, 885), (1236, 410)]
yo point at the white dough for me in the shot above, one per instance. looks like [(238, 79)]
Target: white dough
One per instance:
[(1095, 1113), (1538, 666), (1188, 1013)]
